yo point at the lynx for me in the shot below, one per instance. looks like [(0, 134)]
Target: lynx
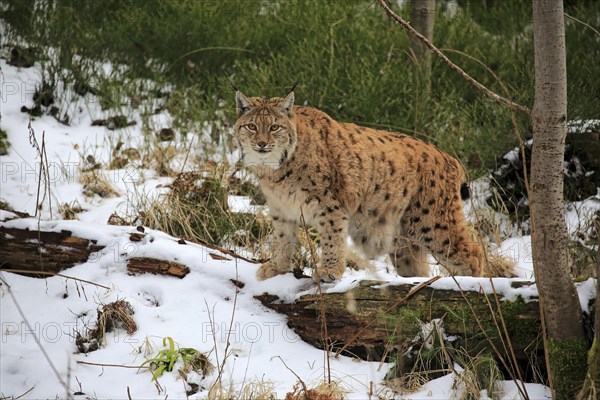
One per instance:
[(389, 192)]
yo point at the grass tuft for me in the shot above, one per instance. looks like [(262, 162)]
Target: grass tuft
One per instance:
[(196, 208), (115, 315)]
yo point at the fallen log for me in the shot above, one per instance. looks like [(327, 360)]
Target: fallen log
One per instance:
[(370, 321), (41, 254), (42, 251)]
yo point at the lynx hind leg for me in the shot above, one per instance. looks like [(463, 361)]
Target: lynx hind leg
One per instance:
[(410, 259), (452, 245)]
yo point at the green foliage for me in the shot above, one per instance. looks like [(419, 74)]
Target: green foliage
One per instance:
[(352, 61), (166, 359)]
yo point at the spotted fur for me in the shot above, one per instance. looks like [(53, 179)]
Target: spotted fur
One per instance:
[(390, 192)]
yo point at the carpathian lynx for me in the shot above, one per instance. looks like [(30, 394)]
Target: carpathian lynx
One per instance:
[(391, 193)]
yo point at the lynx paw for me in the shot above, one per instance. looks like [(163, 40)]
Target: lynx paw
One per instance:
[(268, 270), (327, 275)]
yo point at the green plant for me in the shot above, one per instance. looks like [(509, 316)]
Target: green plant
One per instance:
[(360, 69), (167, 358)]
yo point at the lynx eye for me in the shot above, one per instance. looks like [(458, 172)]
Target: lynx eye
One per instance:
[(252, 127), (274, 128)]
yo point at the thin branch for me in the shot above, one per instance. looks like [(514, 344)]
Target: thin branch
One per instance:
[(295, 374), (497, 98), (490, 341), (26, 271), (36, 338), (583, 23), (224, 251), (322, 306), (508, 347), (109, 365)]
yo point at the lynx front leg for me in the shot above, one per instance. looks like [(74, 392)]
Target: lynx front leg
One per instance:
[(333, 228), (282, 250)]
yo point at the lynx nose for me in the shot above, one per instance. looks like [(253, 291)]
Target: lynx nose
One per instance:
[(262, 145)]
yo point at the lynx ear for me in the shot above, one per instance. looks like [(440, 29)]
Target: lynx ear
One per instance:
[(242, 103), (287, 103)]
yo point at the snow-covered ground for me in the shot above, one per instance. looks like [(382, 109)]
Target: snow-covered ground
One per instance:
[(205, 310)]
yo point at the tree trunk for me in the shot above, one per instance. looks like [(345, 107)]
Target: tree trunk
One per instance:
[(562, 313), (422, 18)]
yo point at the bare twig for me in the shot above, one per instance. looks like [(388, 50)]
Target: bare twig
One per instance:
[(109, 365), (323, 307), (35, 336), (583, 23), (24, 271), (497, 98), (221, 367), (295, 374), (508, 342), (224, 251), (24, 394), (489, 339)]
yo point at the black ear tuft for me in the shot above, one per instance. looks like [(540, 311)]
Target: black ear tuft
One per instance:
[(294, 86), (235, 89), (242, 103)]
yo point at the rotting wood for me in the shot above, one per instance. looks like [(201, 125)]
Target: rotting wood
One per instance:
[(148, 265), (43, 251), (391, 327)]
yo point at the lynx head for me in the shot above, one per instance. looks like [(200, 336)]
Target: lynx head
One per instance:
[(265, 129)]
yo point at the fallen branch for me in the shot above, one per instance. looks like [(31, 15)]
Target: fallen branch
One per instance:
[(147, 265), (24, 271), (224, 251), (108, 365)]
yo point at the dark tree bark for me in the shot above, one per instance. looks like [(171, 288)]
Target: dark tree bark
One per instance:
[(561, 310)]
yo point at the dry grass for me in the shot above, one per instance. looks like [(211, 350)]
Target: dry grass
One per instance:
[(70, 210), (96, 182), (196, 208), (115, 315), (482, 373), (253, 390), (323, 391), (496, 265)]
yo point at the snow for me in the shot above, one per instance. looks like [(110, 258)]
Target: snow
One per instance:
[(205, 310)]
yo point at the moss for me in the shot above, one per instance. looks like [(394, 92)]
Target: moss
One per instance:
[(592, 379), (568, 365), (519, 330)]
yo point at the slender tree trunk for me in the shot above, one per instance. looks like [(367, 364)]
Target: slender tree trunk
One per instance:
[(422, 18), (562, 313)]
